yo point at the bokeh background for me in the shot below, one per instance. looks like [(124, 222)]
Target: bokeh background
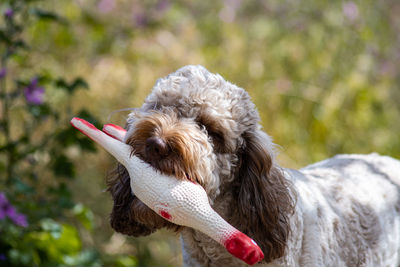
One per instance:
[(325, 76)]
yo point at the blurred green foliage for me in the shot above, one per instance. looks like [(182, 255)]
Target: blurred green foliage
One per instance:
[(323, 74)]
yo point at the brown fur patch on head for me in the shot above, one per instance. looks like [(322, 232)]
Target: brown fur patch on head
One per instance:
[(187, 145)]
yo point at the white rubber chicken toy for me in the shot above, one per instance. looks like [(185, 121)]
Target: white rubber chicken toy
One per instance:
[(178, 201)]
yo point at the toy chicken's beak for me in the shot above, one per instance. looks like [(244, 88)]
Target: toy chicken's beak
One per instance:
[(118, 149)]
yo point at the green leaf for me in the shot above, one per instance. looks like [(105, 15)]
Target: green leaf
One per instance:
[(63, 196), (70, 136), (4, 37), (79, 83), (47, 15), (87, 258), (40, 111), (20, 44), (55, 240), (124, 261), (52, 227), (23, 187), (69, 240), (63, 167), (73, 86), (67, 137), (84, 215), (87, 144)]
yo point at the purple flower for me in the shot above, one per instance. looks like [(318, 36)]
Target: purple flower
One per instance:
[(3, 73), (350, 10), (162, 5), (7, 210), (140, 20), (106, 6), (228, 12), (19, 219), (33, 93), (2, 257), (2, 198), (8, 13), (5, 206)]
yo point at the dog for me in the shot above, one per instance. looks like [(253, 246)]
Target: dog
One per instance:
[(194, 125)]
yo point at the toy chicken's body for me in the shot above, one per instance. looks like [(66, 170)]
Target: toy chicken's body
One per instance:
[(179, 201)]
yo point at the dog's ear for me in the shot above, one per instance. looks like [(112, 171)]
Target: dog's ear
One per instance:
[(265, 200)]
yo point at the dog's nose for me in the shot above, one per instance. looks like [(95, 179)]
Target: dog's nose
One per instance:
[(156, 148)]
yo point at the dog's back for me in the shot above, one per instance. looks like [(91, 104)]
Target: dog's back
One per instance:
[(351, 211)]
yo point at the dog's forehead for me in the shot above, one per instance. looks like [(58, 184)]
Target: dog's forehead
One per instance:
[(192, 91)]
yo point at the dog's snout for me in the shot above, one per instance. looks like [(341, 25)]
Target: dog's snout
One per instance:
[(156, 148)]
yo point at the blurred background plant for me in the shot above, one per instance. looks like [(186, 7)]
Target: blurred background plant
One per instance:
[(323, 74)]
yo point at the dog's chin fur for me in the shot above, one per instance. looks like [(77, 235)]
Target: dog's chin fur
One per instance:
[(212, 136)]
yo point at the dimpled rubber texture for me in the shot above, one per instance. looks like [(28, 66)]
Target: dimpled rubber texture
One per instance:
[(185, 202), (181, 202)]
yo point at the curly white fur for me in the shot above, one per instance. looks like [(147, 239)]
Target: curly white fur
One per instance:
[(347, 213)]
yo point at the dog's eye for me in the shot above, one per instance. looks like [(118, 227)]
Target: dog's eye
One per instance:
[(213, 131), (216, 137), (218, 141)]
